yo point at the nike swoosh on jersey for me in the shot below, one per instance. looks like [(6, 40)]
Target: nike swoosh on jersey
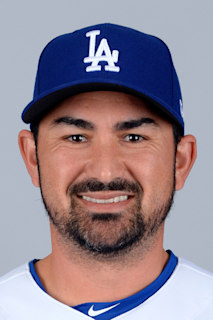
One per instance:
[(94, 313)]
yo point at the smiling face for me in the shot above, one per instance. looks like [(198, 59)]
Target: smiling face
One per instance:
[(107, 171), (106, 166)]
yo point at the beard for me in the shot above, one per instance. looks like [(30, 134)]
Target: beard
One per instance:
[(107, 234)]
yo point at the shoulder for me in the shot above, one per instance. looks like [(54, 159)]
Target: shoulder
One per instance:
[(194, 275), (189, 291), (8, 281), (14, 284), (192, 282), (11, 284), (187, 294)]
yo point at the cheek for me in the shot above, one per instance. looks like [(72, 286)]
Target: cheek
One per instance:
[(154, 172), (58, 170)]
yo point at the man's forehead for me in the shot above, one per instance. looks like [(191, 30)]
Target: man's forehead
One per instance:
[(119, 109), (99, 100), (114, 96)]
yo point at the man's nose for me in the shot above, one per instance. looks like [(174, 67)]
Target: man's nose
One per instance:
[(106, 163)]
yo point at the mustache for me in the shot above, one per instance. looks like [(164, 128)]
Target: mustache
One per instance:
[(93, 185)]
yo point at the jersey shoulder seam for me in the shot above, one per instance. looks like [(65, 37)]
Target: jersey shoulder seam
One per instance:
[(189, 265), (14, 274)]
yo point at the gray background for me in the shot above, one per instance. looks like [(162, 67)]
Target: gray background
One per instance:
[(25, 28)]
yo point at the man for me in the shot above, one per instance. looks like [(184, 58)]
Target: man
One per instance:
[(107, 150)]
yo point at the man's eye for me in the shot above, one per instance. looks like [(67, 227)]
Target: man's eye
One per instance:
[(133, 138), (77, 138)]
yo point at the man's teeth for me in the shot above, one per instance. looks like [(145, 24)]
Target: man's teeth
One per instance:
[(111, 200)]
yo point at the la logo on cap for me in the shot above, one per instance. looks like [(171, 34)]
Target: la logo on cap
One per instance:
[(103, 53)]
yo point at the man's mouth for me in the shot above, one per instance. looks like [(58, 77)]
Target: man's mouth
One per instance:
[(106, 198), (110, 200)]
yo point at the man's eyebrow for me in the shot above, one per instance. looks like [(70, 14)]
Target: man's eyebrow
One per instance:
[(80, 123), (134, 123)]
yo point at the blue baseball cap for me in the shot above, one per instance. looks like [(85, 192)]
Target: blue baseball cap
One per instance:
[(106, 57)]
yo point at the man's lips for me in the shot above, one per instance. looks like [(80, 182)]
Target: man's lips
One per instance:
[(111, 200), (105, 197)]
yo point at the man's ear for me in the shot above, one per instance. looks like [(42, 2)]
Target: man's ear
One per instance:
[(185, 158), (28, 152)]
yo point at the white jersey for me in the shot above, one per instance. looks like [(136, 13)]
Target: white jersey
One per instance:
[(186, 295)]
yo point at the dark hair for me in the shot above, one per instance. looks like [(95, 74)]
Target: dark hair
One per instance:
[(177, 132), (34, 129)]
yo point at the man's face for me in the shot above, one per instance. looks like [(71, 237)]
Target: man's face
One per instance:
[(106, 165)]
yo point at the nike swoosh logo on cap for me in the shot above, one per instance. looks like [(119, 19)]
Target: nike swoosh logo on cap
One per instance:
[(94, 313)]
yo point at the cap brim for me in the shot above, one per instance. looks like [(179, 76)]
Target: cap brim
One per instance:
[(38, 107)]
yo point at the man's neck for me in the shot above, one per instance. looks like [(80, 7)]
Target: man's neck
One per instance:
[(75, 279)]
